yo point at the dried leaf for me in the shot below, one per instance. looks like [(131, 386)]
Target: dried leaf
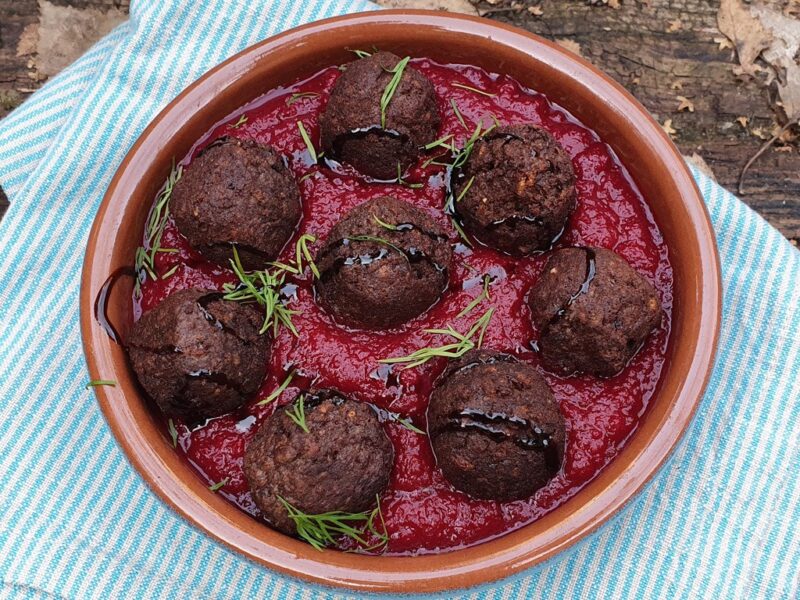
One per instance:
[(536, 11), (723, 42), (685, 104), (674, 26), (676, 85), (758, 31), (743, 121), (700, 163), (570, 45), (668, 128)]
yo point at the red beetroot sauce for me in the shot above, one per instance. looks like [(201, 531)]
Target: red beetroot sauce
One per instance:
[(422, 512)]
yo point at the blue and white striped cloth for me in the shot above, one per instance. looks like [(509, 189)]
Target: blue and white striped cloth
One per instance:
[(721, 519)]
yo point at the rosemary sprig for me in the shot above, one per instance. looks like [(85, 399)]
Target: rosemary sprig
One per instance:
[(297, 413), (301, 253), (459, 116), (460, 230), (242, 120), (145, 255), (278, 391), (383, 223), (465, 189), (298, 95), (484, 295), (461, 346), (360, 53), (173, 433), (391, 87), (98, 382), (323, 529), (262, 287), (378, 240), (170, 273), (442, 142), (473, 89), (408, 424), (216, 486), (401, 181), (304, 134)]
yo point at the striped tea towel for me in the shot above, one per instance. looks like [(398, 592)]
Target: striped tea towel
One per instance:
[(720, 520)]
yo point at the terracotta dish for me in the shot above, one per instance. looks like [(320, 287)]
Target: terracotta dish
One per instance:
[(654, 164)]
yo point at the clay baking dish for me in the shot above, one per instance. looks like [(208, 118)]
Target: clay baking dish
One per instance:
[(595, 99)]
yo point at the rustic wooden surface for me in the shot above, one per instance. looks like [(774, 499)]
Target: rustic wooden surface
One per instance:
[(658, 49)]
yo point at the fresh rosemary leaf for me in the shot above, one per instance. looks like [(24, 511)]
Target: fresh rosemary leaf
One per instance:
[(297, 413), (97, 382), (278, 391), (391, 87), (173, 433), (473, 89), (459, 116), (242, 120), (304, 134), (484, 295), (298, 95), (216, 486)]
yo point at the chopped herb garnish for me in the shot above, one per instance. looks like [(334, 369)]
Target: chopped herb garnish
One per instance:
[(307, 141), (443, 143), (377, 240), (156, 222), (384, 224), (278, 391), (473, 89), (402, 181), (301, 253), (216, 486), (324, 529), (360, 53), (262, 287), (484, 295), (306, 176), (408, 424), (391, 87), (461, 232), (463, 344), (170, 273), (98, 382), (242, 120), (298, 95), (465, 189), (173, 433), (297, 413), (168, 250), (459, 116)]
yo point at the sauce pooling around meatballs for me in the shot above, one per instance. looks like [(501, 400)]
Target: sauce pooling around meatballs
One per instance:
[(422, 510)]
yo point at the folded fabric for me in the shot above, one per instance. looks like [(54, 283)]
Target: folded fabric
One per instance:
[(720, 520)]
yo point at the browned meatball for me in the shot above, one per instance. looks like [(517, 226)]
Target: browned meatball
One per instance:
[(516, 190), (592, 310), (350, 125), (384, 263), (495, 427), (237, 192), (197, 355), (340, 464)]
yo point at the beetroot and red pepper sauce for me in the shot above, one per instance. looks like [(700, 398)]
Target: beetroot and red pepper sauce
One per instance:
[(421, 511)]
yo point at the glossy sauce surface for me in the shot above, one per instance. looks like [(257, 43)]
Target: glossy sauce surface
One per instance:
[(422, 512)]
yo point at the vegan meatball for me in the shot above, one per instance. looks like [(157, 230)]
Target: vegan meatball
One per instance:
[(339, 461), (592, 310), (516, 190), (351, 126), (197, 355), (237, 193), (495, 427), (385, 262)]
